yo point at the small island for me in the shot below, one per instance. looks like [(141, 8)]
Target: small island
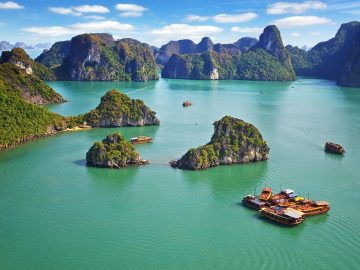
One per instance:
[(233, 142), (113, 152), (118, 110)]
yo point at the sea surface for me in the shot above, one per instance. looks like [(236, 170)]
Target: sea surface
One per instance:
[(56, 213)]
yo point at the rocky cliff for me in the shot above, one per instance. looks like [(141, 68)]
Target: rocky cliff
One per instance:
[(335, 59), (117, 110), (54, 57), (21, 119), (267, 60), (113, 152), (24, 75), (99, 57), (233, 142), (22, 60)]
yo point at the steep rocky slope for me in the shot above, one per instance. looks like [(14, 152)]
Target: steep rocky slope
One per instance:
[(233, 142), (113, 152), (268, 60), (336, 59), (100, 57)]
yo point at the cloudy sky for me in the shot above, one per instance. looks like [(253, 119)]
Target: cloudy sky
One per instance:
[(158, 21)]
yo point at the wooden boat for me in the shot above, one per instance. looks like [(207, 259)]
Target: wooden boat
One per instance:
[(265, 194), (141, 139), (286, 216), (252, 202), (187, 103), (334, 148), (284, 194), (312, 208)]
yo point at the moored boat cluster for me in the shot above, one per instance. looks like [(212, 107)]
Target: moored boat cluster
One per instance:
[(286, 207)]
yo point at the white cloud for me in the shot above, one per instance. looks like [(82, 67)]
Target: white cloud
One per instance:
[(187, 31), (295, 34), (94, 17), (79, 10), (196, 18), (301, 21), (294, 8), (234, 18), (128, 14), (130, 10), (79, 28), (64, 11), (91, 9), (247, 30), (10, 5)]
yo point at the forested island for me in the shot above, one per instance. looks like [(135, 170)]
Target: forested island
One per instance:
[(234, 142), (22, 91)]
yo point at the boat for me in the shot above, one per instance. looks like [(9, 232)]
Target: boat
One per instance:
[(252, 202), (286, 216), (265, 194), (141, 139), (312, 208), (187, 103), (284, 194), (334, 148)]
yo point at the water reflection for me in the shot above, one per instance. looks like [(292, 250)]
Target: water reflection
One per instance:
[(232, 181)]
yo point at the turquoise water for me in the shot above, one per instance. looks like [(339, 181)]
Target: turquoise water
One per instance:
[(55, 213)]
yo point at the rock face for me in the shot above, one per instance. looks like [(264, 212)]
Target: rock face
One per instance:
[(21, 119), (22, 60), (99, 57), (246, 43), (25, 75), (233, 142), (113, 152), (336, 59), (54, 57), (270, 41), (268, 60), (334, 148), (117, 110)]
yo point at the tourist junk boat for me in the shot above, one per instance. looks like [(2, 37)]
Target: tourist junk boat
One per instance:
[(286, 216), (265, 194), (312, 208), (284, 195), (252, 202), (141, 139)]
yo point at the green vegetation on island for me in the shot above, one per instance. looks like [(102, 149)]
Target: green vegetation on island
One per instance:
[(99, 57), (20, 120), (113, 152), (336, 59), (117, 110), (267, 60), (20, 58), (234, 141)]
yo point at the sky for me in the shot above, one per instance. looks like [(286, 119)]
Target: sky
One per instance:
[(158, 21)]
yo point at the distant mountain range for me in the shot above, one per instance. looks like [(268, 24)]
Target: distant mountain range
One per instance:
[(186, 46), (100, 57), (7, 46), (263, 59)]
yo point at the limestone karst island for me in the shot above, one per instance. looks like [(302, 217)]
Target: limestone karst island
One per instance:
[(179, 134)]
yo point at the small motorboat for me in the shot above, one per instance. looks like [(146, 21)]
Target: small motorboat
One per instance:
[(265, 194), (187, 103), (140, 139)]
